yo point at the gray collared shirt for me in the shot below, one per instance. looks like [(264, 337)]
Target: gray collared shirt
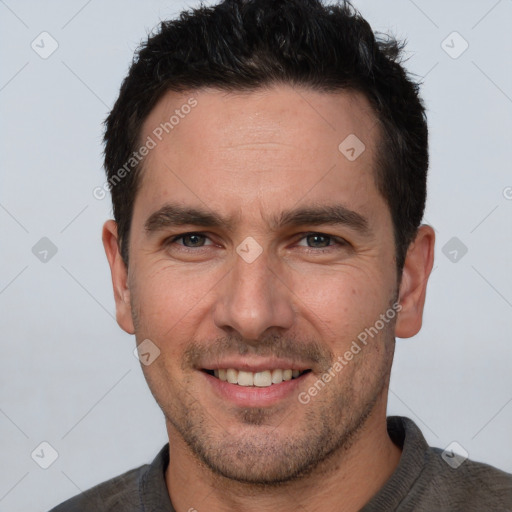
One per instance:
[(422, 482)]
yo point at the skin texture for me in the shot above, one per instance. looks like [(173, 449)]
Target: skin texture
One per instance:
[(248, 157)]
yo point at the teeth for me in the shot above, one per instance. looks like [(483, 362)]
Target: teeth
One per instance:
[(259, 379), (245, 378), (262, 379), (277, 376), (232, 376)]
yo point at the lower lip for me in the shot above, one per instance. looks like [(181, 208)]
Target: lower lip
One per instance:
[(252, 396)]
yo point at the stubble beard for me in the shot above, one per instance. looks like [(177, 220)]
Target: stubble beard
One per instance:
[(260, 454)]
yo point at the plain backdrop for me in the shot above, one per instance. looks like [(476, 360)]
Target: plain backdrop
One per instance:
[(68, 376)]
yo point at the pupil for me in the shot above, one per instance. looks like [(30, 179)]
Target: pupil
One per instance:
[(195, 240), (318, 240)]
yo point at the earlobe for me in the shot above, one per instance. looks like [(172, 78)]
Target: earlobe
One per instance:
[(413, 286), (119, 274)]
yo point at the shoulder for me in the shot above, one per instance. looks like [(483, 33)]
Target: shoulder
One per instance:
[(472, 484), (120, 493), (429, 478), (142, 488)]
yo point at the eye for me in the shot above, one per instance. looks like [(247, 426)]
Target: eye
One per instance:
[(191, 240), (320, 240)]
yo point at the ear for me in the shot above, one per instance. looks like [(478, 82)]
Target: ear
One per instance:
[(413, 285), (119, 276)]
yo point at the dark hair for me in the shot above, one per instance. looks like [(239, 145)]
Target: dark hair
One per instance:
[(247, 44)]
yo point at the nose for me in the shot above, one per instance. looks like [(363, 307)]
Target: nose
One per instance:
[(254, 298)]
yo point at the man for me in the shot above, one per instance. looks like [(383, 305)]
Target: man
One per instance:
[(267, 162)]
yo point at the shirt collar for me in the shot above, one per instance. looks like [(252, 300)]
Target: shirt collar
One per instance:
[(153, 492), (154, 496)]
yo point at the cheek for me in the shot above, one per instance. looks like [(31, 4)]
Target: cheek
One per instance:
[(169, 300), (343, 303)]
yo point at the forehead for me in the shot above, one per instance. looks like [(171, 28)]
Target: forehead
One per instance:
[(220, 120), (269, 147)]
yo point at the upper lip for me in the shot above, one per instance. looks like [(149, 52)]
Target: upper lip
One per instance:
[(255, 365)]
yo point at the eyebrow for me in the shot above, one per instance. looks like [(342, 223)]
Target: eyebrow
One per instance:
[(177, 215), (323, 215), (171, 215)]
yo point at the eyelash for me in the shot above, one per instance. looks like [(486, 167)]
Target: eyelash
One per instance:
[(337, 241)]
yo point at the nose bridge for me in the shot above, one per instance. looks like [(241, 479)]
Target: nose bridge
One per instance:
[(253, 299)]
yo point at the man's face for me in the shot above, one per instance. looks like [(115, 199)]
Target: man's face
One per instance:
[(268, 280)]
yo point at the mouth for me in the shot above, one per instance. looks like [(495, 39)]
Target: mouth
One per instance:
[(260, 379)]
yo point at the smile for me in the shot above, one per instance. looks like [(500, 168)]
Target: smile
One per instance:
[(261, 379)]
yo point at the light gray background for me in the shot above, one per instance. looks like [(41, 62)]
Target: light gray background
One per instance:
[(67, 372)]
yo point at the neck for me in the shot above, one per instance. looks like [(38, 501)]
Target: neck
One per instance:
[(345, 481)]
